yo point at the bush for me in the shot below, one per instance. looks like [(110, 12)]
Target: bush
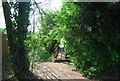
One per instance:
[(91, 32)]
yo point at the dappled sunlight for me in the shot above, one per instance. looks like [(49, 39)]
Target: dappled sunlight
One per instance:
[(51, 40)]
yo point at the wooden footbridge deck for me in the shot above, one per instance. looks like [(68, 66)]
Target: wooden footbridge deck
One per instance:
[(59, 54)]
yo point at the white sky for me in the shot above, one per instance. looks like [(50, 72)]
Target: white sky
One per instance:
[(49, 5), (2, 21), (55, 4)]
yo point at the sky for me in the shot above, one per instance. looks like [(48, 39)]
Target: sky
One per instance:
[(49, 5), (2, 21), (54, 5)]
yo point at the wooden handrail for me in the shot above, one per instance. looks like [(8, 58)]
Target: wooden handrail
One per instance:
[(56, 48)]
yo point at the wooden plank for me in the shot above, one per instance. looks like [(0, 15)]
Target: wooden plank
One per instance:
[(60, 60), (48, 72)]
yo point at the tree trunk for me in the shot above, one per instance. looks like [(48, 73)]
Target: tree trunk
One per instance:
[(16, 39)]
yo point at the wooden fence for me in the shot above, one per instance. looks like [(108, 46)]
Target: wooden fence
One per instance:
[(4, 45)]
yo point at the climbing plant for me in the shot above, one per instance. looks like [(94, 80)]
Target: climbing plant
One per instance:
[(16, 25)]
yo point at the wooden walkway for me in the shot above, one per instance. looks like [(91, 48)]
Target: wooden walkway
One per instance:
[(58, 71), (60, 56)]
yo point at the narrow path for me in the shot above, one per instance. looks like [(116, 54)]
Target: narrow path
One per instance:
[(58, 71), (61, 53), (61, 71)]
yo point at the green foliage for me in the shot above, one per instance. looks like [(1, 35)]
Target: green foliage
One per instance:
[(48, 32), (91, 32), (41, 44), (2, 30), (37, 53)]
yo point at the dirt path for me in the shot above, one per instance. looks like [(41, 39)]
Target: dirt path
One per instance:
[(51, 70)]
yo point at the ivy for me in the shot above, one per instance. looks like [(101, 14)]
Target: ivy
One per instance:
[(17, 32)]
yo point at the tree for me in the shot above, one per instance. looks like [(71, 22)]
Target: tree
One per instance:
[(91, 32), (47, 26), (16, 25)]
